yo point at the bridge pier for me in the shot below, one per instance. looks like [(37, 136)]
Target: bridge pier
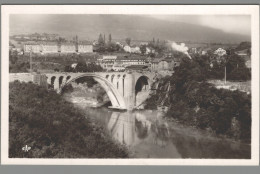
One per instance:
[(129, 92), (56, 84)]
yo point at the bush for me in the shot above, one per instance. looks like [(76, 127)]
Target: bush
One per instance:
[(53, 128)]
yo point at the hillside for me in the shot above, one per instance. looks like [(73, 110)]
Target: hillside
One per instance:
[(121, 26), (54, 128)]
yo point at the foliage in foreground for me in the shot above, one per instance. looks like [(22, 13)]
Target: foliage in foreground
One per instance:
[(193, 101), (53, 128)]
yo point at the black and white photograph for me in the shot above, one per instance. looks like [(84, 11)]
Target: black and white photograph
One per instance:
[(130, 85)]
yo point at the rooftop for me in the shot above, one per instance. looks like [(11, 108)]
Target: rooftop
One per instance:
[(131, 58), (137, 67)]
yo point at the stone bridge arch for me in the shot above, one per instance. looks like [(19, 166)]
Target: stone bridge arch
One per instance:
[(142, 87), (142, 83), (115, 97)]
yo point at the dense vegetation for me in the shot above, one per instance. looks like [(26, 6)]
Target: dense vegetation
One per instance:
[(53, 62), (83, 67), (213, 67), (16, 65), (193, 101), (53, 128)]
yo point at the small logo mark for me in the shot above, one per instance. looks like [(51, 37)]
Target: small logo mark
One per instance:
[(26, 148)]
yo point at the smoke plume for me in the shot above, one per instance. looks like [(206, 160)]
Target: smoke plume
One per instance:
[(181, 48)]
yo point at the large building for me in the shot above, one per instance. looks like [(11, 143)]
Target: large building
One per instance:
[(53, 47), (107, 61), (85, 48), (131, 60), (35, 48), (164, 64), (49, 48), (115, 63), (68, 48)]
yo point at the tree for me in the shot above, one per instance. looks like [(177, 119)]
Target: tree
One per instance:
[(109, 38), (13, 57), (68, 68), (81, 67), (143, 49), (111, 47), (128, 41), (236, 68), (244, 45), (60, 40), (101, 40)]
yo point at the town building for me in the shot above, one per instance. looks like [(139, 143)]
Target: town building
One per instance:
[(118, 67), (193, 51), (139, 68), (49, 48), (244, 52), (127, 49), (130, 60), (119, 63), (164, 64), (248, 63), (35, 48), (220, 52), (54, 47), (135, 49), (85, 48), (107, 61), (149, 50), (68, 48)]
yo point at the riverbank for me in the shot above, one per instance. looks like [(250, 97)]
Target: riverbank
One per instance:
[(206, 133), (53, 128)]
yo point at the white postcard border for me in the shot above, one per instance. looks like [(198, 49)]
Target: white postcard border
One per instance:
[(252, 10)]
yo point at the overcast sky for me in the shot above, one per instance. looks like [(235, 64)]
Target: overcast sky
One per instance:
[(237, 24), (240, 24)]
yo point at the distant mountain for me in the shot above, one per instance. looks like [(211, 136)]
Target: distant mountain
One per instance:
[(121, 26)]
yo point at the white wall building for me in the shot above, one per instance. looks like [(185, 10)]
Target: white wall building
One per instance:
[(68, 48), (49, 48), (32, 47), (220, 52), (85, 48), (135, 50), (127, 49)]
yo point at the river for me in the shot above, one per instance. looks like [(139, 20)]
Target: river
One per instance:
[(147, 134)]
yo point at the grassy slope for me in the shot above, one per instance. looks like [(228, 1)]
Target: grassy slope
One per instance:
[(53, 128)]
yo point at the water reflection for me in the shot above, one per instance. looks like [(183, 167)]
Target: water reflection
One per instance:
[(121, 127), (148, 135)]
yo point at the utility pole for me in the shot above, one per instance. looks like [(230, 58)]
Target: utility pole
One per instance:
[(225, 74)]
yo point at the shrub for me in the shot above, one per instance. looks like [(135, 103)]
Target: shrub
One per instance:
[(53, 128)]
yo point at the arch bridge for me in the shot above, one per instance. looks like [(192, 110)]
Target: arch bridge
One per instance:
[(121, 87)]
